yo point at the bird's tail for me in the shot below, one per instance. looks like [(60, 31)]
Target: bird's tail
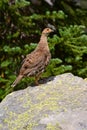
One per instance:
[(17, 80)]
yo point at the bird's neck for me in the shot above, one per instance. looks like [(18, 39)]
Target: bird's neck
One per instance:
[(43, 41)]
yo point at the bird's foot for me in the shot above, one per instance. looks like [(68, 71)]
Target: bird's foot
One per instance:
[(37, 83)]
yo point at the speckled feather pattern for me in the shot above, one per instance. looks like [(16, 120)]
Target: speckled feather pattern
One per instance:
[(35, 62)]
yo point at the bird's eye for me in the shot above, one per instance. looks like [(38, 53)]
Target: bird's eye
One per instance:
[(47, 29)]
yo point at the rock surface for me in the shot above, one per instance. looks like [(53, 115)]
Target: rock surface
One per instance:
[(59, 104)]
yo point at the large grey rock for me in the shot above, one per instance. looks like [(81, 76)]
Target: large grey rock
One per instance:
[(59, 104)]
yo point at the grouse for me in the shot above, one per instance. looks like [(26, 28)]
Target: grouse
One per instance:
[(35, 63)]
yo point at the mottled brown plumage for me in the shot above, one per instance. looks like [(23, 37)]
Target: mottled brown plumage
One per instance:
[(35, 62)]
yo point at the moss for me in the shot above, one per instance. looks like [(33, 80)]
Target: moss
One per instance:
[(1, 126), (30, 126), (17, 121), (53, 127)]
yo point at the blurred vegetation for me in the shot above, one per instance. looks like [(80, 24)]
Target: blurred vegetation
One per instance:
[(21, 23)]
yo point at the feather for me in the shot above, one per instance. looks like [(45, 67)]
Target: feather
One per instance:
[(35, 62)]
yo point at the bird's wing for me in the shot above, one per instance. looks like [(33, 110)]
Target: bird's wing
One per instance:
[(33, 63)]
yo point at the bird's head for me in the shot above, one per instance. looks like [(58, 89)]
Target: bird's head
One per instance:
[(46, 31)]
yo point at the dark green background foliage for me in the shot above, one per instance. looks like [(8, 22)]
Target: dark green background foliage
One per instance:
[(21, 23)]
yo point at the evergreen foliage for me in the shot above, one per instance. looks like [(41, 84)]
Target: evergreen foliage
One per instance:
[(19, 29)]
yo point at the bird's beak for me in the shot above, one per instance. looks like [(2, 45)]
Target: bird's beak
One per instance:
[(51, 30)]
